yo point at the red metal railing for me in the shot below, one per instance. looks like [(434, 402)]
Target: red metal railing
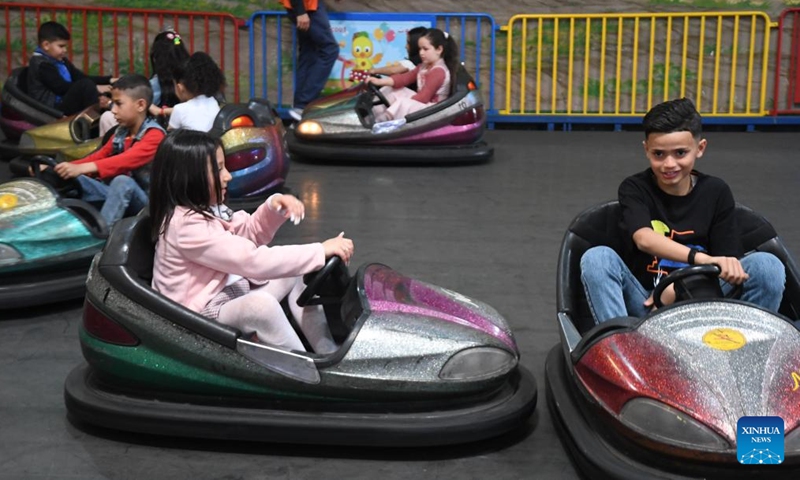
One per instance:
[(110, 41), (786, 90)]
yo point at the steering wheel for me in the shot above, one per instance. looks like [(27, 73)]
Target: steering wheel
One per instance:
[(66, 188), (315, 280), (377, 92), (695, 281)]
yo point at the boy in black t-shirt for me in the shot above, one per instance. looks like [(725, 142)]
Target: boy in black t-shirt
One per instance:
[(675, 216)]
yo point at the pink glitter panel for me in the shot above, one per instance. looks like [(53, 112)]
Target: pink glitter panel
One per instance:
[(389, 291)]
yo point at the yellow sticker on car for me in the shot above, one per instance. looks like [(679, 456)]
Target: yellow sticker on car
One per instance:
[(8, 200), (724, 339)]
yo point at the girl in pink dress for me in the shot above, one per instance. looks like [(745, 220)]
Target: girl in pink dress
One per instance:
[(217, 262), (439, 55)]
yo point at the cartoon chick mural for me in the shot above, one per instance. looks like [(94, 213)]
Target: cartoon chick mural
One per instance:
[(363, 58)]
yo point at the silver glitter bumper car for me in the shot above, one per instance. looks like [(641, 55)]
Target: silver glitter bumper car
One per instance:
[(417, 364), (660, 396)]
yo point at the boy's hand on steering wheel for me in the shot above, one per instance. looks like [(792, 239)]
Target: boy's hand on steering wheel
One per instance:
[(731, 269), (67, 170), (339, 246), (288, 206)]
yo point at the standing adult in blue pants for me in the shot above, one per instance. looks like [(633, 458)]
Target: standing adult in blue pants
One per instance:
[(318, 50)]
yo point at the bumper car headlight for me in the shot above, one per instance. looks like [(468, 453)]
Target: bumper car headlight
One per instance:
[(661, 422), (9, 255), (309, 127), (791, 442), (478, 363)]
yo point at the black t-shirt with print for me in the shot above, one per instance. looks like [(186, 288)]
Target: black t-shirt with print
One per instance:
[(703, 219)]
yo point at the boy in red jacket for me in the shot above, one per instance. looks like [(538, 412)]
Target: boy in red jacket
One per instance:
[(117, 174)]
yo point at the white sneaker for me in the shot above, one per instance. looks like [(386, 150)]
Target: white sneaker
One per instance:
[(388, 126), (296, 113)]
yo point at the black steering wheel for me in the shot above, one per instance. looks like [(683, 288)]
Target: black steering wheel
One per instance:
[(695, 281), (314, 281), (66, 188), (377, 92)]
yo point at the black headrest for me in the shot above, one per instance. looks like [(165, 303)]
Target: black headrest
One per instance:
[(754, 229), (601, 225)]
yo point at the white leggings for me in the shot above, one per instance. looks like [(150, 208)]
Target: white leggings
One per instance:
[(261, 311)]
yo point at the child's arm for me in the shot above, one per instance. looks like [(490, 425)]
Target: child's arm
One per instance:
[(77, 74), (138, 155), (433, 82), (210, 245), (261, 226), (52, 80), (404, 79), (389, 70), (637, 217)]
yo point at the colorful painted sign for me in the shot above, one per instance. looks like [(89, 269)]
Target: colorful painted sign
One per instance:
[(369, 41)]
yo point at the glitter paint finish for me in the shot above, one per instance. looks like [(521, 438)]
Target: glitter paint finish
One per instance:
[(38, 228), (269, 171), (691, 357), (396, 353), (389, 291)]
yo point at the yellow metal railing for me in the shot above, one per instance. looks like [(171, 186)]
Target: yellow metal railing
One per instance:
[(622, 64)]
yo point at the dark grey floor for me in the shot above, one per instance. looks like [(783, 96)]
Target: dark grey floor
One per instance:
[(490, 231)]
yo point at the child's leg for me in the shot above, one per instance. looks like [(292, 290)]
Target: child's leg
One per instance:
[(81, 94), (263, 314), (94, 191), (405, 106), (765, 284), (611, 288), (310, 319), (125, 196)]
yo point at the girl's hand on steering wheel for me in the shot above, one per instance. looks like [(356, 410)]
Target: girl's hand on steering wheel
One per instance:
[(381, 82), (339, 246)]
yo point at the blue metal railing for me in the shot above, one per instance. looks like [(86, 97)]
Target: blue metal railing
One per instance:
[(275, 65)]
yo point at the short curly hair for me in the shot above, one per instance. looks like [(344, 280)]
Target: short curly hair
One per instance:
[(200, 75)]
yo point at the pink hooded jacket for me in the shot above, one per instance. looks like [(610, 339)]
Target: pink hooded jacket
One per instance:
[(197, 253)]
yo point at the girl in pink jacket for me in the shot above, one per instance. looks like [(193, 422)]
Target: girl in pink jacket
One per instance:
[(217, 262), (434, 77)]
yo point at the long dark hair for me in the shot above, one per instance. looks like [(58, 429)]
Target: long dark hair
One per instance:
[(413, 44), (167, 51), (180, 177), (449, 51)]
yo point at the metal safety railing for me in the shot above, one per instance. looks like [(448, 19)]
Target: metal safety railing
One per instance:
[(786, 88), (599, 67), (273, 42), (621, 64), (112, 41)]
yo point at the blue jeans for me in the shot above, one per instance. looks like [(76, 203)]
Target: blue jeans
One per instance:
[(318, 52), (613, 291), (122, 197)]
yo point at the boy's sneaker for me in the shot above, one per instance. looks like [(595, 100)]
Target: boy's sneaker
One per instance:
[(296, 113)]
